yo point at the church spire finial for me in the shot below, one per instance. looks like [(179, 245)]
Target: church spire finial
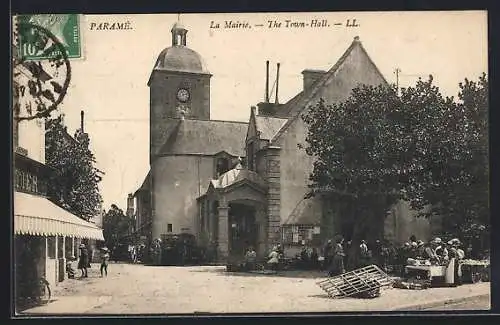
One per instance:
[(178, 33)]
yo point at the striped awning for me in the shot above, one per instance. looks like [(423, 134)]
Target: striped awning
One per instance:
[(36, 215)]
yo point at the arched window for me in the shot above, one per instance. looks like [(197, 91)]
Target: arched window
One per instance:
[(222, 166)]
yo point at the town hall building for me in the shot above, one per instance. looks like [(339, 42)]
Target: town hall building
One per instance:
[(235, 184)]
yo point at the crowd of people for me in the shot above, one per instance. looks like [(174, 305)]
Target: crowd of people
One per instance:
[(388, 256), (339, 256)]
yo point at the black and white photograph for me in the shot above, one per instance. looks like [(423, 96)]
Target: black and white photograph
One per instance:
[(215, 163)]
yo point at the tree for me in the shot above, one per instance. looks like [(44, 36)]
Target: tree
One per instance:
[(376, 148), (74, 185), (116, 226), (457, 179), (358, 163)]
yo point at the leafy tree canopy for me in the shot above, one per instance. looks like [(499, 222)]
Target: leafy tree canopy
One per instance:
[(116, 226), (379, 146), (74, 184)]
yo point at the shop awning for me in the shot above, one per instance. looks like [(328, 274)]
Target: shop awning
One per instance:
[(36, 215)]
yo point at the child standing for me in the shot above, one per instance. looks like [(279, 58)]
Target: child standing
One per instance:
[(104, 261), (69, 268)]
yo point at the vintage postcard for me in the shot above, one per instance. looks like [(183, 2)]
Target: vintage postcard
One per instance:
[(250, 163)]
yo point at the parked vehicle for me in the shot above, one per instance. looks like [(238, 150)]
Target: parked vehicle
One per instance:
[(120, 253), (180, 249)]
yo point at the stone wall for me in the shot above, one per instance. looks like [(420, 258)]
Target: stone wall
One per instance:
[(274, 195), (176, 186)]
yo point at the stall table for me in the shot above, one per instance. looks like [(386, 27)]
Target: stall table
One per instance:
[(474, 271), (433, 273)]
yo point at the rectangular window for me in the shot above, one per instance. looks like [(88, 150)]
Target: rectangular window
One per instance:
[(51, 246), (250, 156), (22, 183), (18, 178), (68, 247), (34, 184), (27, 182), (169, 227), (60, 246)]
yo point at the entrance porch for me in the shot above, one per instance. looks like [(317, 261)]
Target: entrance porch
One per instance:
[(233, 215)]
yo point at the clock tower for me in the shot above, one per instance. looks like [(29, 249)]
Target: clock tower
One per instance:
[(179, 88)]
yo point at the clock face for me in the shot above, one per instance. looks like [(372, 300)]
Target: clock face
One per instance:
[(183, 95)]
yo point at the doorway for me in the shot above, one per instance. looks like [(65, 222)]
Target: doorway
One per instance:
[(242, 229)]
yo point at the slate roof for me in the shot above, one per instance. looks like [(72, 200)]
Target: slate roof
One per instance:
[(207, 137), (304, 214), (300, 102), (235, 175), (146, 184), (268, 126), (286, 109), (182, 59)]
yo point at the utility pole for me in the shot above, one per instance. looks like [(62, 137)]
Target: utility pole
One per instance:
[(397, 71)]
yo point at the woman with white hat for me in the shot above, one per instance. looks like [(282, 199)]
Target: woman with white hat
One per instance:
[(456, 254), (273, 259), (441, 251), (104, 261)]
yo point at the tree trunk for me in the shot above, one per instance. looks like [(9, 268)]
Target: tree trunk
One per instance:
[(369, 214)]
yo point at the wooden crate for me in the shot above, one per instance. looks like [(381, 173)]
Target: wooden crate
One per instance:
[(368, 279)]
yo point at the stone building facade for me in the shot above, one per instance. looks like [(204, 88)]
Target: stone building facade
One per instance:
[(234, 184)]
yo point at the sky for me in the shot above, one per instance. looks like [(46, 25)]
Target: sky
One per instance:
[(110, 81)]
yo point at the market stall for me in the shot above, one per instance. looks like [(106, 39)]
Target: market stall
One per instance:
[(474, 271), (433, 274)]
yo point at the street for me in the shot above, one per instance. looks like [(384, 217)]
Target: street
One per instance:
[(479, 303), (139, 289)]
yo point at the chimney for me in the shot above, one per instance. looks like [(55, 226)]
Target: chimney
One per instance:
[(277, 82), (81, 121), (311, 76), (266, 99), (253, 109), (130, 205)]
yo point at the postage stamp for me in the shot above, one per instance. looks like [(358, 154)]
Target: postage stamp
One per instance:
[(65, 27)]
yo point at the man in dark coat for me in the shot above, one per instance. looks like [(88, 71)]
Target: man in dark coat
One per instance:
[(328, 253), (337, 264), (83, 261)]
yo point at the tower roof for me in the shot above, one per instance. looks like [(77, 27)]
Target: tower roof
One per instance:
[(182, 59), (179, 57), (178, 26)]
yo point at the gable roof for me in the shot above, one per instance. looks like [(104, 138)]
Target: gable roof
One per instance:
[(236, 175), (146, 184), (299, 103), (206, 137), (286, 109), (268, 126), (169, 127)]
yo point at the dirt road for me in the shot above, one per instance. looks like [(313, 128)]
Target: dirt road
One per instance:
[(139, 289)]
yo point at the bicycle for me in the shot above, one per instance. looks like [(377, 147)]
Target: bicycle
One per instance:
[(41, 293)]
